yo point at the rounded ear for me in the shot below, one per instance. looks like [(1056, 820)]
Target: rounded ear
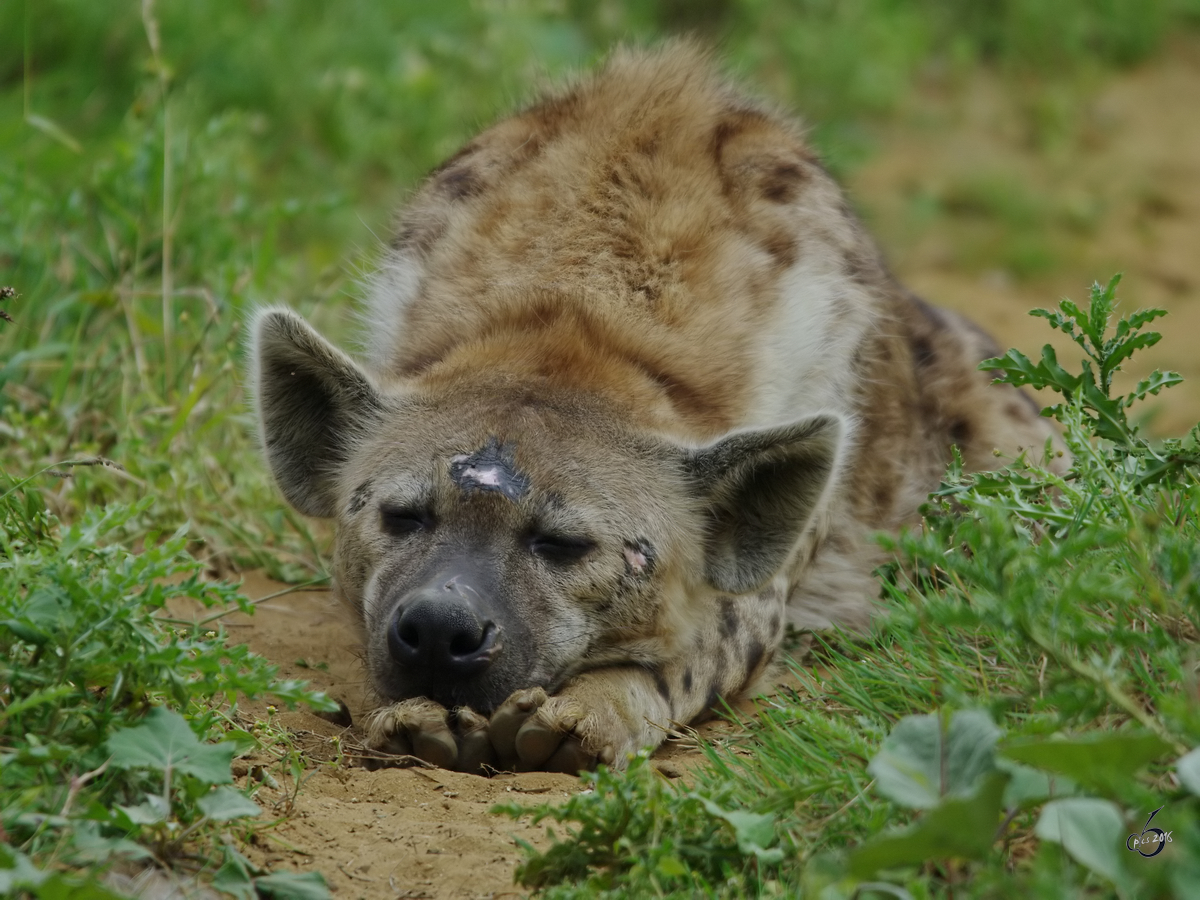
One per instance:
[(762, 489), (313, 402)]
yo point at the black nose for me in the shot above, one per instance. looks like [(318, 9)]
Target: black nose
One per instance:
[(437, 633)]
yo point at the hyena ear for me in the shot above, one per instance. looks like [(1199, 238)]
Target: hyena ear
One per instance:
[(313, 402), (762, 489)]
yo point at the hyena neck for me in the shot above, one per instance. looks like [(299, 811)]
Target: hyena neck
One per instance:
[(569, 351)]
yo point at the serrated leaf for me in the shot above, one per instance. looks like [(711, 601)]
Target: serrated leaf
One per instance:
[(959, 828), (226, 803), (294, 886), (917, 765), (1096, 761), (1018, 369), (1152, 385), (1090, 830), (1188, 770), (165, 742), (1055, 376)]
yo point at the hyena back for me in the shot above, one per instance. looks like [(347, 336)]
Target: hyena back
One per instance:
[(639, 388)]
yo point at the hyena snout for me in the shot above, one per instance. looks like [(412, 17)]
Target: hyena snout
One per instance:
[(442, 632)]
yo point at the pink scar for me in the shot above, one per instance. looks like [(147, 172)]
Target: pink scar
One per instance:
[(487, 477), (636, 559)]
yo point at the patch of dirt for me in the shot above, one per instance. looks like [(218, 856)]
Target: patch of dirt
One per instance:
[(1131, 165), (1116, 188)]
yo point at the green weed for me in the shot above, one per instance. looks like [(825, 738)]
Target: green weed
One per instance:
[(94, 768)]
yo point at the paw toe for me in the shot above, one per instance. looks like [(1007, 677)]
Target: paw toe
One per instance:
[(417, 728), (506, 722), (475, 751)]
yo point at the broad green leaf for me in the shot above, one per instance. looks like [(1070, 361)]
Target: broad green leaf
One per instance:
[(957, 828), (1090, 830), (88, 843), (226, 803), (754, 832), (670, 867), (917, 765), (1097, 761), (17, 872), (1028, 787), (167, 742), (236, 876), (294, 886), (61, 886), (825, 876), (1188, 770), (150, 811)]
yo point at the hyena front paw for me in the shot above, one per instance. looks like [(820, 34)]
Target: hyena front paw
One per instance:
[(532, 731), (427, 730), (416, 727)]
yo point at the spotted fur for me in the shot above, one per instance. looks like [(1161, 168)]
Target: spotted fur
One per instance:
[(637, 372)]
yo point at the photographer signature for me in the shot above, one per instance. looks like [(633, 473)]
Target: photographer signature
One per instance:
[(1150, 837)]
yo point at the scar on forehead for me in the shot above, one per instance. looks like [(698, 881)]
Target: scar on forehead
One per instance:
[(639, 557), (490, 468)]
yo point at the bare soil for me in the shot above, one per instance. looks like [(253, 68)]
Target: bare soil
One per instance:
[(1115, 188), (1130, 159)]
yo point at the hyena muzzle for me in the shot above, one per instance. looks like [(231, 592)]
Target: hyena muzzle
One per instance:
[(639, 388)]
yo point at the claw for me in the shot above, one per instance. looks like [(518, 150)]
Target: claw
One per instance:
[(570, 758)]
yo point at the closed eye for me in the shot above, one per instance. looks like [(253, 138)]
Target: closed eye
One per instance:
[(561, 549), (402, 520)]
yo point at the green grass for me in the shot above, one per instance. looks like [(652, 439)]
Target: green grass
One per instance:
[(150, 196)]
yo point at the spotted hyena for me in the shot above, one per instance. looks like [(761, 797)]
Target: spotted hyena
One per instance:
[(639, 388)]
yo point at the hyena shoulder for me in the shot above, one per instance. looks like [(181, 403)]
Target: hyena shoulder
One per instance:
[(649, 232)]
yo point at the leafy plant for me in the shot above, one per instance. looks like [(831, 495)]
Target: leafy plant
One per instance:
[(1090, 392), (637, 833), (93, 765)]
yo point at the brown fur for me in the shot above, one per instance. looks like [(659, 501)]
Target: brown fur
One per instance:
[(649, 302)]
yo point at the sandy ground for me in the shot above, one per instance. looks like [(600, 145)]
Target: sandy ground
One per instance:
[(1120, 192), (1131, 161)]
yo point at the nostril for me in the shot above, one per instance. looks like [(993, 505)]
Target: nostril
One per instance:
[(462, 644), (471, 642), (409, 634), (433, 636)]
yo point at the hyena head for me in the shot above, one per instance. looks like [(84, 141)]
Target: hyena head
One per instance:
[(495, 536)]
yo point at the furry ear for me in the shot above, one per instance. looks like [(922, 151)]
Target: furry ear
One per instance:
[(313, 401), (762, 489)]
